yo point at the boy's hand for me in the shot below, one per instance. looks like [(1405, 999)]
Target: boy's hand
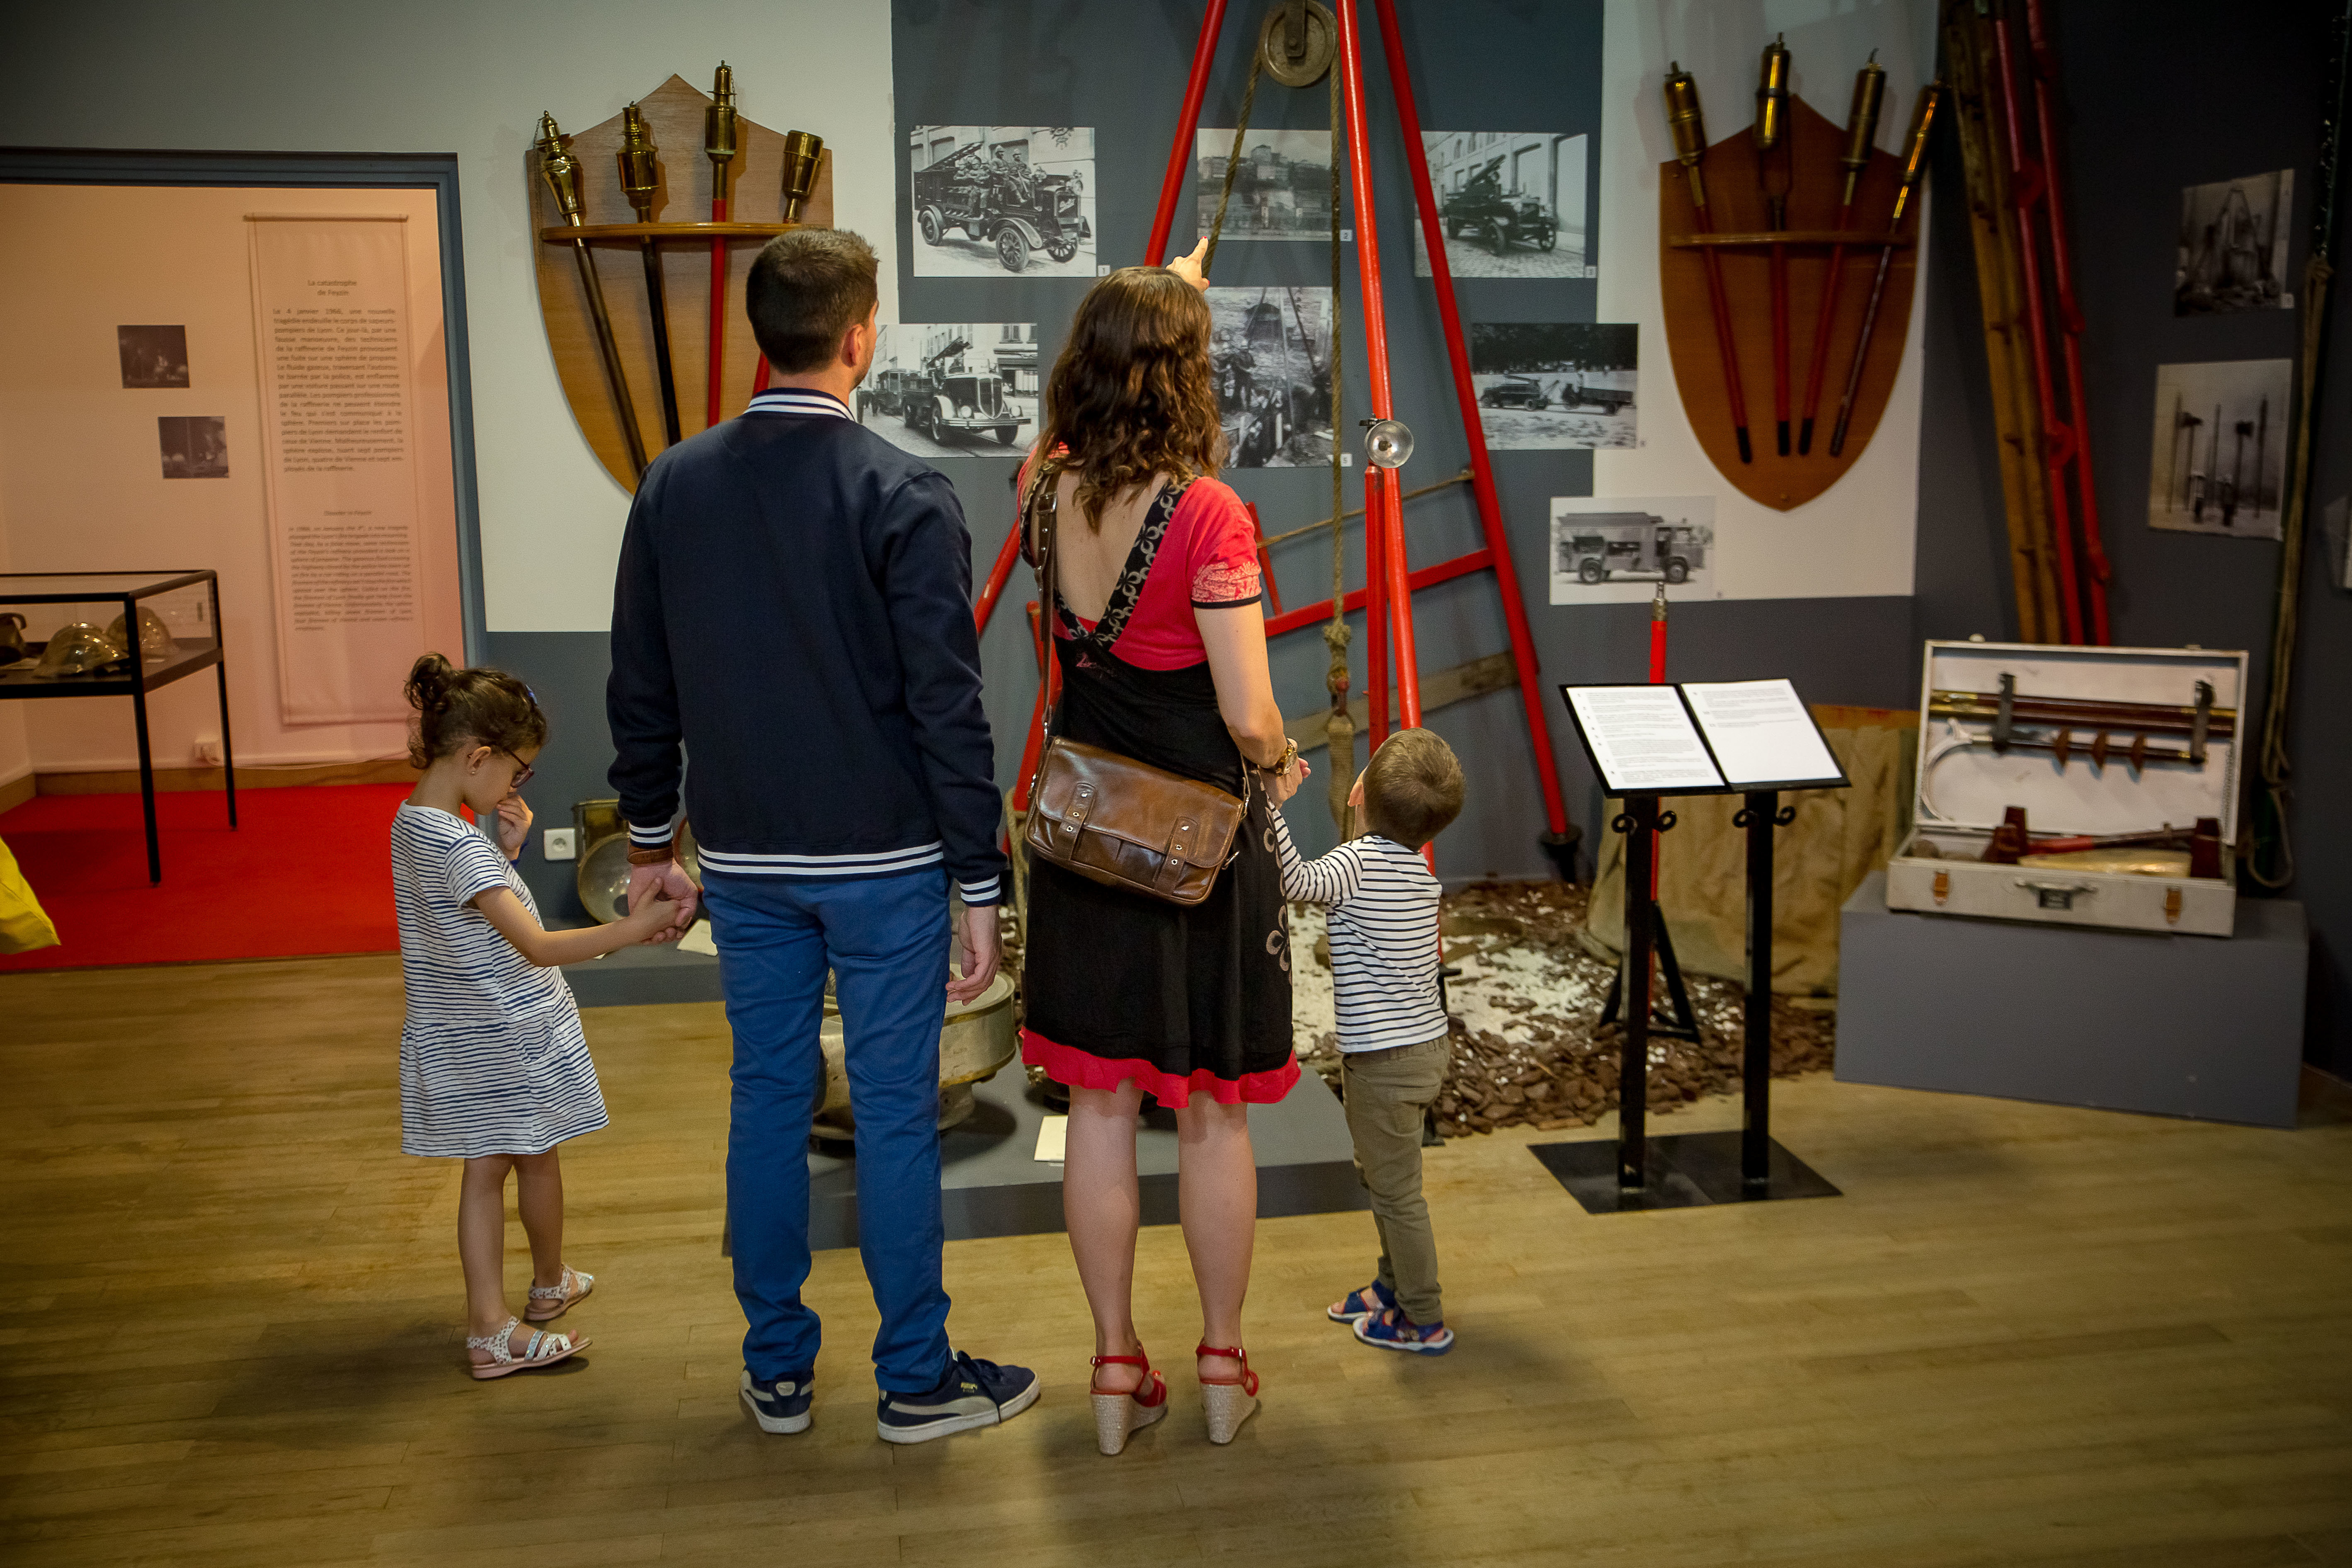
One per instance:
[(514, 825)]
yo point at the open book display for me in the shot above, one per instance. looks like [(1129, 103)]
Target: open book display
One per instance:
[(1723, 737)]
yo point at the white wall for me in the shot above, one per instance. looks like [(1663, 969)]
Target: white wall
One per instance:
[(1856, 538), (438, 76)]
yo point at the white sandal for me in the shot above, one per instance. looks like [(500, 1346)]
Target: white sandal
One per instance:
[(544, 1349), (551, 1302)]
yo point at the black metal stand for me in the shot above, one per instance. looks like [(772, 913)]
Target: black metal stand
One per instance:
[(1689, 1170), (1679, 1021)]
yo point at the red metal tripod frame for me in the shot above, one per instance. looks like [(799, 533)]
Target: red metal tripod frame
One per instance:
[(1482, 471), (1265, 561), (998, 575), (2044, 59), (2028, 190), (1188, 124), (1376, 602)]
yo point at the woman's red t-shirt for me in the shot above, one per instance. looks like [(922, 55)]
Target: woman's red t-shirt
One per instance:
[(1207, 559)]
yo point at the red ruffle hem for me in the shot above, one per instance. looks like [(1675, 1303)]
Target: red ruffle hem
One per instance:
[(1082, 1069)]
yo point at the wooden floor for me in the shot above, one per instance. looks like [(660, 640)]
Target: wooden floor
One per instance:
[(229, 1333)]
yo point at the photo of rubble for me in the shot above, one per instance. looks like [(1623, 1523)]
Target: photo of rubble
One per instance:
[(1545, 386), (962, 389), (1282, 187), (1271, 351)]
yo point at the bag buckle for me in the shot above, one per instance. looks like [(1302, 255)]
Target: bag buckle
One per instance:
[(1180, 843), (1082, 801)]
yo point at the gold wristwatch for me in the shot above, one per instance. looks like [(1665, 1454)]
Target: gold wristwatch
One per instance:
[(1289, 755)]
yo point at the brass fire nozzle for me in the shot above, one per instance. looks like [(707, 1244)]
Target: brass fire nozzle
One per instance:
[(1689, 128), (719, 129), (1772, 96), (1862, 121), (801, 150), (559, 168), (640, 174), (1914, 154), (1658, 604)]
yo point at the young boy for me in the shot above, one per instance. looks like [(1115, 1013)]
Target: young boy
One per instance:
[(1392, 1031)]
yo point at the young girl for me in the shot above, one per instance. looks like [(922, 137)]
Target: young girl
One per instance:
[(494, 1069)]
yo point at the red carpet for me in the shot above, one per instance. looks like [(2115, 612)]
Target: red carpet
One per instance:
[(309, 871)]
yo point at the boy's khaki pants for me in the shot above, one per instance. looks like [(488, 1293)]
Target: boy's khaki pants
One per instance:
[(1387, 1092)]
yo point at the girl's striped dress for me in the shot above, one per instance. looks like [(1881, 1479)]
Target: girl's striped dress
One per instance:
[(492, 1059)]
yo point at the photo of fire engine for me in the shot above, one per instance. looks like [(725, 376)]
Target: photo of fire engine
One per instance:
[(2220, 448), (965, 389), (1611, 549), (1544, 385), (1270, 350), (1512, 203), (2231, 253), (992, 200), (1282, 190)]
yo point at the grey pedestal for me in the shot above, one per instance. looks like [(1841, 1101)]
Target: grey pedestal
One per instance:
[(2179, 1026)]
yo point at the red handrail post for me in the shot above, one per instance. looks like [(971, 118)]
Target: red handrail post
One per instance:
[(1180, 156), (1482, 471)]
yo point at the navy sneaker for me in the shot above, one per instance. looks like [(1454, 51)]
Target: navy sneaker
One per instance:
[(780, 1405), (1392, 1331), (974, 1394), (1356, 1305)]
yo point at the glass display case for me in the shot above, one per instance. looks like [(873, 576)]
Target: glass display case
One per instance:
[(115, 634)]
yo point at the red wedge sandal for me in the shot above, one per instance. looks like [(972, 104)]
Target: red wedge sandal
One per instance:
[(1230, 1401), (1119, 1416)]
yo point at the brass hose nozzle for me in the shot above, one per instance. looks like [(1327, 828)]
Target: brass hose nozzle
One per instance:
[(1772, 96), (559, 168), (801, 150), (640, 170), (1689, 128), (1862, 121), (1915, 155), (719, 128)]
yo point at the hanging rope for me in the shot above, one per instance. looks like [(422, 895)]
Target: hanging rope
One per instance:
[(1233, 159)]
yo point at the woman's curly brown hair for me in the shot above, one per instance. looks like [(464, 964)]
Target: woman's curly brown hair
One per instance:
[(1132, 394)]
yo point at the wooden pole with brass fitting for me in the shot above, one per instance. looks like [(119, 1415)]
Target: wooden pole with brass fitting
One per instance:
[(801, 150), (640, 178), (1689, 128), (1915, 166), (1860, 134), (561, 169), (718, 146), (1774, 173)]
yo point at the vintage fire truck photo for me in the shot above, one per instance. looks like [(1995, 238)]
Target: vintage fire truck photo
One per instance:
[(993, 199)]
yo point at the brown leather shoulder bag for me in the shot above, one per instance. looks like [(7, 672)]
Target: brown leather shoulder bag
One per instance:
[(1108, 817)]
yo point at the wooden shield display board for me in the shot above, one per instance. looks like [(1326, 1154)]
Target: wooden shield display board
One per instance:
[(755, 188), (1736, 201)]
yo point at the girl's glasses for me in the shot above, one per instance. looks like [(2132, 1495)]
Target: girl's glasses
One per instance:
[(521, 777)]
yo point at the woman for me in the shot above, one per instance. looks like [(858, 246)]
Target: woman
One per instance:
[(1161, 648)]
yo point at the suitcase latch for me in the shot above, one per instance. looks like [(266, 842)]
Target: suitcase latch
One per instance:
[(1943, 886), (2055, 895), (2172, 906)]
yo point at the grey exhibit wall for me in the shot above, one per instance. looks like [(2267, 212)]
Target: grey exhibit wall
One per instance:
[(2129, 152)]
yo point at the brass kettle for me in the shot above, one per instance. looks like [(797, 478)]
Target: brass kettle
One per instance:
[(11, 637)]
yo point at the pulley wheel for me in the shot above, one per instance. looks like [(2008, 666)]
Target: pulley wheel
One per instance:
[(1321, 34)]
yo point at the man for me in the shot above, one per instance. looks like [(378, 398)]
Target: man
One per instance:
[(795, 606)]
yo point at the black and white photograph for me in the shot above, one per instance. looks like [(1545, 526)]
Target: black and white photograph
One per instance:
[(1270, 350), (996, 200), (1544, 385), (153, 356), (2220, 448), (961, 389), (1617, 549), (1511, 202), (1282, 185), (195, 447), (2231, 254)]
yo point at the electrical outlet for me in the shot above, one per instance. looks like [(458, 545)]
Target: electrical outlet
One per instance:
[(209, 750), (560, 844)]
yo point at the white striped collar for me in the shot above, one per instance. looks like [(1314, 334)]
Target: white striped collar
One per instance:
[(800, 400)]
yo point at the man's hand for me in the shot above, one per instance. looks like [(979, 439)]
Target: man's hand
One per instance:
[(1188, 268), (514, 825), (667, 879), (979, 954)]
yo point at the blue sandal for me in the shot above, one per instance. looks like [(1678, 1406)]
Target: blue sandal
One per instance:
[(1356, 1305), (1392, 1331)]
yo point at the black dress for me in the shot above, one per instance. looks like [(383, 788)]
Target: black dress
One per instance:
[(1116, 986)]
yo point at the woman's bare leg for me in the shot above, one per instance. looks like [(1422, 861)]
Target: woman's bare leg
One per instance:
[(1101, 1207), (539, 1198), (1216, 1187)]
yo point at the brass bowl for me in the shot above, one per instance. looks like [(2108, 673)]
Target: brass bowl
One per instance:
[(602, 840)]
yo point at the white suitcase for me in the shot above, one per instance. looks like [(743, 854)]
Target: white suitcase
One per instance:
[(1964, 785)]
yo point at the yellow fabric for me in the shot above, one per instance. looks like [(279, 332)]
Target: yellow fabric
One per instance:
[(1839, 838), (22, 925)]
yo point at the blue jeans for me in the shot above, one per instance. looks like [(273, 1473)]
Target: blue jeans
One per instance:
[(885, 940)]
